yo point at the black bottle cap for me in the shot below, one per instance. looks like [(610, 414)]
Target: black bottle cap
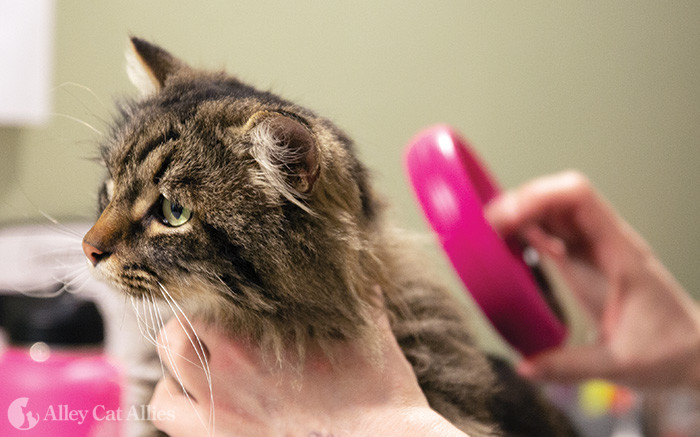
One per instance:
[(63, 320)]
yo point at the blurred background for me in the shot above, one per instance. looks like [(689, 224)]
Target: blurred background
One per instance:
[(609, 88)]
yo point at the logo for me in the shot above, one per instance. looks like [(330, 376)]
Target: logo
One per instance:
[(20, 416), (23, 418)]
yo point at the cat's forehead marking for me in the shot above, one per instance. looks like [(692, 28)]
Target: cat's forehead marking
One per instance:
[(153, 144), (148, 157), (143, 204), (141, 190), (160, 166)]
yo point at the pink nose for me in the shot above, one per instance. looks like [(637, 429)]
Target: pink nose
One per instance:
[(93, 254)]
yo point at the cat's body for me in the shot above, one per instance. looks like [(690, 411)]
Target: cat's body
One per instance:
[(254, 213)]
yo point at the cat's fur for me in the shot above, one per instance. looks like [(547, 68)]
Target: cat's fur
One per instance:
[(287, 243)]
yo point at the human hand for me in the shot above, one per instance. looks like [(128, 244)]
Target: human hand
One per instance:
[(649, 328), (359, 394)]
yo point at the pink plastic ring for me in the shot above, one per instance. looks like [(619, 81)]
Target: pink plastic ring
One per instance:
[(452, 188)]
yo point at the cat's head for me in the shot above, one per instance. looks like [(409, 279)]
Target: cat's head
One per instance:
[(235, 202)]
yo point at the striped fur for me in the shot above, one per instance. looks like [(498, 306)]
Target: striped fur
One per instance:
[(286, 243)]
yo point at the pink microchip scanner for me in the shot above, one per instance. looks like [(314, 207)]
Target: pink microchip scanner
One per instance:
[(452, 188)]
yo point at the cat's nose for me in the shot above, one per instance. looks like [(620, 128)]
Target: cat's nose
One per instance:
[(94, 254)]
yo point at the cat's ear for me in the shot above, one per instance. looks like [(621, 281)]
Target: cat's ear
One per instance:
[(149, 66), (286, 150)]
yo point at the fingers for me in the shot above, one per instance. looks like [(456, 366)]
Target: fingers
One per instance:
[(173, 413), (185, 353), (192, 379), (545, 243), (197, 380), (185, 357), (565, 205), (536, 199)]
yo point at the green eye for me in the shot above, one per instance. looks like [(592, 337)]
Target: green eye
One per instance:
[(174, 214)]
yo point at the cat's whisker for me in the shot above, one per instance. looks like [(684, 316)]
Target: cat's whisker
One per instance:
[(81, 278), (166, 345), (126, 298), (147, 301), (145, 304), (79, 121), (68, 274), (70, 238), (132, 300), (50, 270), (44, 291), (197, 348), (176, 373), (85, 88), (44, 288), (57, 265), (78, 289), (58, 260), (157, 327), (65, 230), (72, 249), (160, 323), (42, 294), (200, 351), (169, 356), (144, 334), (54, 256), (58, 227), (140, 324)]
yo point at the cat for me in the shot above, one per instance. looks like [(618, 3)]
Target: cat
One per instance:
[(254, 213)]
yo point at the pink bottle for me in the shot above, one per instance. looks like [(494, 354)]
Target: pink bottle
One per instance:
[(55, 378)]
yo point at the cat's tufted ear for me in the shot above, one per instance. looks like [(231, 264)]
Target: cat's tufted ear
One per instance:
[(286, 150), (149, 66)]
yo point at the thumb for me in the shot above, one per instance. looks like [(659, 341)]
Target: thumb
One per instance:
[(504, 214), (570, 364)]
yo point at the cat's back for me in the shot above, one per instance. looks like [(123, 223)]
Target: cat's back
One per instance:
[(481, 395)]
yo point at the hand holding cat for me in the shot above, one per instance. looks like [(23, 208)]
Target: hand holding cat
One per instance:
[(649, 328), (359, 394)]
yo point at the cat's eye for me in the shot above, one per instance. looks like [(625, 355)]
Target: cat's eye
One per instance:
[(174, 214)]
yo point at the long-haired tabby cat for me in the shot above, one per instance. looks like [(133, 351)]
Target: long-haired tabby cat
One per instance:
[(255, 214)]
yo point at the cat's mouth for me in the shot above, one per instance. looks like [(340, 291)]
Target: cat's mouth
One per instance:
[(132, 279), (138, 281)]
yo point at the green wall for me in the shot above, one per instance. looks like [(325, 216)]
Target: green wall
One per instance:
[(610, 88)]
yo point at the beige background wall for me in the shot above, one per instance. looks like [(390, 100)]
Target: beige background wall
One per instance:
[(610, 88)]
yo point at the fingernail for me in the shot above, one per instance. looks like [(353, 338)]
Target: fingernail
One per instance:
[(499, 209)]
